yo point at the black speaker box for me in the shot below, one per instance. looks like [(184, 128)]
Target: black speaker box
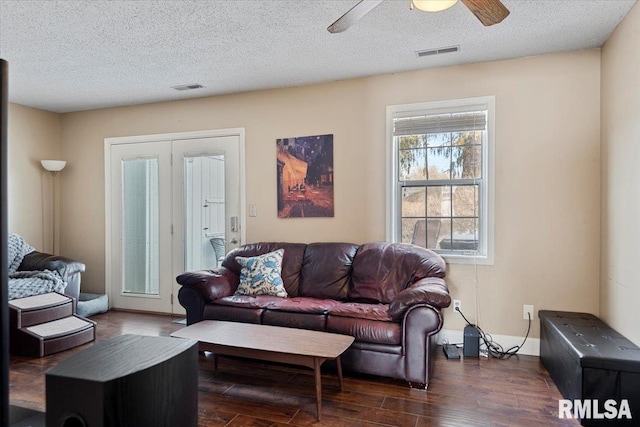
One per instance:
[(471, 343), (129, 380)]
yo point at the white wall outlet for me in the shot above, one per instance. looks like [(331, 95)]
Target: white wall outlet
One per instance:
[(457, 305), (527, 312), (253, 210)]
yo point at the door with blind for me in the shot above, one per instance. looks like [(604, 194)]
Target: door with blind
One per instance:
[(175, 206), (140, 237)]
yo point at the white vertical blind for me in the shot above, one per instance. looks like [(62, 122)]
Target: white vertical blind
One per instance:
[(140, 256)]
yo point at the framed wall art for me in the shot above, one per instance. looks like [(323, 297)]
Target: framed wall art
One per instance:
[(305, 176)]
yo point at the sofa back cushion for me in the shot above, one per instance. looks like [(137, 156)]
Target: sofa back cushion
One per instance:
[(291, 261), (326, 270), (382, 270)]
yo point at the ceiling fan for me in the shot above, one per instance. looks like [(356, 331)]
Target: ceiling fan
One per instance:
[(489, 12)]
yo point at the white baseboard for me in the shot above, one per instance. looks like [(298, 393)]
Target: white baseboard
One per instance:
[(531, 347)]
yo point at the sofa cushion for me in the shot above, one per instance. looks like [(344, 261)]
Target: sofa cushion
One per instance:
[(382, 270), (362, 311), (326, 270), (365, 330), (232, 314), (313, 321), (247, 301), (294, 305), (260, 275), (303, 305), (291, 261)]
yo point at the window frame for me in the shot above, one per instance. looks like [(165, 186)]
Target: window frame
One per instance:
[(486, 188)]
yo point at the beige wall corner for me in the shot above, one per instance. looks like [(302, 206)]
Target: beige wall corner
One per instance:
[(620, 271), (34, 135)]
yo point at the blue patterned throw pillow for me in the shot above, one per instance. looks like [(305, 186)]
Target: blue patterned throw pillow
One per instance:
[(260, 275)]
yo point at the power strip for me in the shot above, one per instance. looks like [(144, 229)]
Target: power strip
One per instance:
[(451, 351)]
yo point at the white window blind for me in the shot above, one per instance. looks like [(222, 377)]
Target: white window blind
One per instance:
[(440, 123)]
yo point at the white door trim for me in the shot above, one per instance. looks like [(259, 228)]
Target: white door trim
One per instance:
[(108, 142)]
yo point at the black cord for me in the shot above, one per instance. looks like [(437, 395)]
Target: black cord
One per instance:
[(493, 348)]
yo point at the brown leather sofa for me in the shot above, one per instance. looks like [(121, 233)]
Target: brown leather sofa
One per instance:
[(389, 296)]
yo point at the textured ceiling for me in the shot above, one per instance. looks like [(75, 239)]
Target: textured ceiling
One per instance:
[(85, 54)]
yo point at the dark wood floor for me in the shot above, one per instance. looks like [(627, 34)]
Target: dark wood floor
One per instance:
[(484, 392)]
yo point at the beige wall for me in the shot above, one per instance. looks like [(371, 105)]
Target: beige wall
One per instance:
[(546, 183), (620, 274), (34, 135), (547, 172)]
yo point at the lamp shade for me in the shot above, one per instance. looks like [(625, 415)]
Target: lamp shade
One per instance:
[(433, 5), (53, 165)]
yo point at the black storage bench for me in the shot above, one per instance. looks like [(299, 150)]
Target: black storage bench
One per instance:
[(588, 360)]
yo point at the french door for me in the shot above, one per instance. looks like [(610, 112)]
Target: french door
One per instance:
[(174, 204)]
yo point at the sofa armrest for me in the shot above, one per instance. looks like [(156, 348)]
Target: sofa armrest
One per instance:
[(210, 284), (421, 323), (200, 288), (69, 270), (432, 291), (39, 261)]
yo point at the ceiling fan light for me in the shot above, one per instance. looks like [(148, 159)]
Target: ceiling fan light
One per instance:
[(433, 5)]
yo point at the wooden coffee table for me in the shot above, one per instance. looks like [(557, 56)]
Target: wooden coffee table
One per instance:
[(271, 343)]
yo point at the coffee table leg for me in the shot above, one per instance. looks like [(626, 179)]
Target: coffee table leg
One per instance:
[(339, 366), (316, 368)]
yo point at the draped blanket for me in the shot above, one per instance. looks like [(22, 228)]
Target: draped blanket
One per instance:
[(27, 283)]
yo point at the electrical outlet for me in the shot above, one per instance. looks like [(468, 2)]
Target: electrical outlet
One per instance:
[(527, 310), (457, 305)]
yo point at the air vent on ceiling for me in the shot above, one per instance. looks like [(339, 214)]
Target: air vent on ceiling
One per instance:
[(188, 87), (438, 51)]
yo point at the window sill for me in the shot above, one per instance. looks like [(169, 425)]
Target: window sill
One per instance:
[(467, 259)]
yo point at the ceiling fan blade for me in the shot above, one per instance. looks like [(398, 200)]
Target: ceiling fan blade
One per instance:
[(354, 14), (489, 12)]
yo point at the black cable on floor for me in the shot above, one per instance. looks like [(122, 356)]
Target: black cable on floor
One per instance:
[(493, 348)]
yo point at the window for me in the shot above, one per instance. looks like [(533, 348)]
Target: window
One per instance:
[(439, 172)]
